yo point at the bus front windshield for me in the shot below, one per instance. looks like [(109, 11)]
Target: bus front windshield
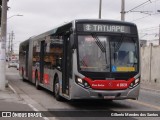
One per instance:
[(107, 53)]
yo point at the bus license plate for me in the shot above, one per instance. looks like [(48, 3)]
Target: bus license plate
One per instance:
[(109, 97)]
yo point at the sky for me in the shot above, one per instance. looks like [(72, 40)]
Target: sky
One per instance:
[(42, 15)]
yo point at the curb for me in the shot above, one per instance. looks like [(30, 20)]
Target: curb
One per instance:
[(149, 89)]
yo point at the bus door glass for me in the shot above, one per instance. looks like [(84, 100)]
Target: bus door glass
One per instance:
[(42, 60), (26, 59), (47, 62), (66, 64)]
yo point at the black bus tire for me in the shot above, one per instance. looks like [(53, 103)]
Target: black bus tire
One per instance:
[(57, 90)]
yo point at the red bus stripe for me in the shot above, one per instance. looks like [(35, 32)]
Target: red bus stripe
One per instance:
[(109, 84)]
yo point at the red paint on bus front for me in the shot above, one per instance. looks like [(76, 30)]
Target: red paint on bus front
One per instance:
[(109, 84)]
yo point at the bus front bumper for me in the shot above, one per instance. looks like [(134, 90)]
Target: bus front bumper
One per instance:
[(82, 93)]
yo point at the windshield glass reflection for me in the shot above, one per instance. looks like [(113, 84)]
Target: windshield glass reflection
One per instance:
[(107, 53), (93, 53)]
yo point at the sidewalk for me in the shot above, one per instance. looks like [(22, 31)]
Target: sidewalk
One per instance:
[(10, 101), (150, 86)]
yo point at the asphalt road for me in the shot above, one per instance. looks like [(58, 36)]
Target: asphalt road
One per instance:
[(44, 100)]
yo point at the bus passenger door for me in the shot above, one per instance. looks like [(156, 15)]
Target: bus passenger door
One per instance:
[(42, 61), (66, 65)]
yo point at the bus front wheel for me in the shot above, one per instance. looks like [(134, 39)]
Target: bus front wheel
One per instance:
[(57, 90)]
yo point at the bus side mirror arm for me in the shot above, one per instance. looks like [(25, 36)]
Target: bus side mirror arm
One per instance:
[(72, 41)]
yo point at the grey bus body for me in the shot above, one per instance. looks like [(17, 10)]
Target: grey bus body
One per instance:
[(54, 60)]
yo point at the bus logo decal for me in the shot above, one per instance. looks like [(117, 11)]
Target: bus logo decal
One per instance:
[(114, 68), (110, 84)]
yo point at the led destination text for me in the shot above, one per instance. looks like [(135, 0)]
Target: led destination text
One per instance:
[(106, 28)]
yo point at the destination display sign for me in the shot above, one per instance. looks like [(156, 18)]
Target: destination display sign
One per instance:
[(106, 28)]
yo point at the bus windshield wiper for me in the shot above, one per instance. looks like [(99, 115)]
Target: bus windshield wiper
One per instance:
[(99, 43)]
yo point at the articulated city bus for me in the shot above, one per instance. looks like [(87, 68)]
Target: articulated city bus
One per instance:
[(84, 59)]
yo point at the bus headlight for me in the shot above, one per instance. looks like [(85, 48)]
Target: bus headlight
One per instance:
[(134, 83), (79, 80), (82, 82), (137, 80)]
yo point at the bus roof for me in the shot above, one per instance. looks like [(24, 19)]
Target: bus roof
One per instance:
[(72, 25), (104, 21)]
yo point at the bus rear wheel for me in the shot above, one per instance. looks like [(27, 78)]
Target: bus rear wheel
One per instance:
[(23, 75), (57, 90)]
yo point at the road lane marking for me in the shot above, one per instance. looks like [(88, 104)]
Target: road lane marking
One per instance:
[(12, 89), (31, 106), (145, 104), (35, 109)]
